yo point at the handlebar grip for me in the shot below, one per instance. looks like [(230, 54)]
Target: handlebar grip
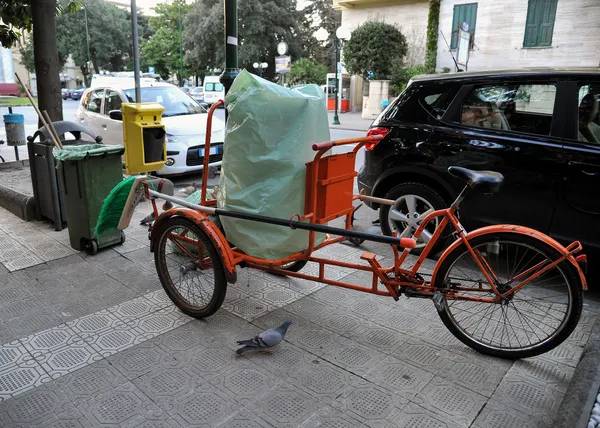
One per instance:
[(320, 146), (408, 243)]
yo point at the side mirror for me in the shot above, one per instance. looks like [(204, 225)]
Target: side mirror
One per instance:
[(116, 115)]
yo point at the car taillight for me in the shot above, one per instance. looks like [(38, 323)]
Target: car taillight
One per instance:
[(375, 131)]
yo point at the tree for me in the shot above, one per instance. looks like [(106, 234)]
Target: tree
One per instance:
[(307, 71), (109, 36), (262, 24), (162, 50), (375, 47), (320, 14), (19, 15), (26, 51)]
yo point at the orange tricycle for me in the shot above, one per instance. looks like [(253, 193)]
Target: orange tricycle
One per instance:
[(505, 290)]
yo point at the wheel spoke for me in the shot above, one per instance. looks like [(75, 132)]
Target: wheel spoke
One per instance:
[(396, 215), (411, 204)]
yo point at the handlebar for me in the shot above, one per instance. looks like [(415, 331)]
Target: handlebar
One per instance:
[(329, 144)]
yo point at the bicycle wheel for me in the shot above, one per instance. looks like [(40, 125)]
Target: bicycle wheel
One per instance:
[(534, 320), (190, 269)]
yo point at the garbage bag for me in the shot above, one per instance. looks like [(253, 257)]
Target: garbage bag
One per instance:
[(269, 134), (73, 153)]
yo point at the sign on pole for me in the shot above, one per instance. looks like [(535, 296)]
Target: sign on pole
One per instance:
[(462, 48), (150, 69), (283, 64)]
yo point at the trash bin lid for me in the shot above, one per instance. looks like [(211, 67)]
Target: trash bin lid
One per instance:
[(14, 118), (73, 153), (62, 127)]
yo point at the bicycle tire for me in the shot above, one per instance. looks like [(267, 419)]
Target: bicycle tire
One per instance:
[(219, 282), (562, 332)]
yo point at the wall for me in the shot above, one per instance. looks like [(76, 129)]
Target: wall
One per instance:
[(501, 29), (411, 19)]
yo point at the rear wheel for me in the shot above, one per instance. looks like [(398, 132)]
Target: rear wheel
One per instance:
[(189, 267), (533, 320), (412, 200)]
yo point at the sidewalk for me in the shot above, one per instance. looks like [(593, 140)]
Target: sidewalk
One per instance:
[(350, 121), (92, 341)]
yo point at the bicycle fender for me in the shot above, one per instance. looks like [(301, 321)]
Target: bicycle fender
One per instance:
[(211, 230), (521, 230)]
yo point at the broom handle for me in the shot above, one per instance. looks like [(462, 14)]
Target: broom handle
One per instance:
[(37, 110), (52, 129)]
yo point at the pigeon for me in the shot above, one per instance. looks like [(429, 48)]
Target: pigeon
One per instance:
[(151, 217), (265, 341)]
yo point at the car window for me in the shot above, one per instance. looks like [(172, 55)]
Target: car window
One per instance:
[(112, 101), (213, 87), (589, 106), (95, 101), (420, 102), (511, 107), (175, 102), (85, 100)]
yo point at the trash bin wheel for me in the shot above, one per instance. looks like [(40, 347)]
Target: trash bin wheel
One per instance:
[(356, 241), (91, 247), (123, 237)]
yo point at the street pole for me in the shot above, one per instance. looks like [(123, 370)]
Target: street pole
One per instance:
[(180, 46), (136, 53), (231, 46), (336, 119), (87, 40)]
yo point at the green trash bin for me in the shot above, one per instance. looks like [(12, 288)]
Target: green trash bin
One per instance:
[(87, 174)]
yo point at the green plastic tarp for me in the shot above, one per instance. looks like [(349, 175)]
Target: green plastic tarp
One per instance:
[(268, 141), (73, 153)]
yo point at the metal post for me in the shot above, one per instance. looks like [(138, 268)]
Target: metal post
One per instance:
[(136, 53), (15, 147), (180, 47), (336, 119), (231, 44), (87, 40)]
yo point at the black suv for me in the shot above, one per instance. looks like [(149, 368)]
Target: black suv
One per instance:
[(538, 127)]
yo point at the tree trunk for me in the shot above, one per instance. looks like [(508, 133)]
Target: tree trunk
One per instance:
[(47, 67), (86, 75)]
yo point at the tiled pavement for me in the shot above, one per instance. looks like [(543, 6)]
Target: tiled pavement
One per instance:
[(94, 341)]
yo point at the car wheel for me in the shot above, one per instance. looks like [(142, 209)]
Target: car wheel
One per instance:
[(412, 200)]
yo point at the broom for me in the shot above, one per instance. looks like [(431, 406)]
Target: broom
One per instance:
[(118, 206)]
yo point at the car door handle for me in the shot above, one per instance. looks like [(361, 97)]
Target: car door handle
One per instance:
[(586, 168)]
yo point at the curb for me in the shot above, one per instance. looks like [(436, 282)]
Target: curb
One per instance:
[(576, 408), (14, 164), (20, 205)]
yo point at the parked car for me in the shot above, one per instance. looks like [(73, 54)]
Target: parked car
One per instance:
[(538, 127), (67, 94), (183, 117), (76, 94), (186, 89), (198, 94), (213, 90)]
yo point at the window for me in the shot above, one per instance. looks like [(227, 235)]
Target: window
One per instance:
[(589, 123), (540, 23), (112, 101), (85, 100), (463, 13), (95, 100), (213, 87), (175, 102), (511, 107)]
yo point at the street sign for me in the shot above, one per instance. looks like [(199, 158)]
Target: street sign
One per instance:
[(462, 50), (150, 69), (283, 64), (282, 48)]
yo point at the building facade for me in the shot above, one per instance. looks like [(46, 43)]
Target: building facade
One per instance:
[(505, 33)]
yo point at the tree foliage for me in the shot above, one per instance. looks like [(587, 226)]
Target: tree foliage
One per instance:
[(375, 47), (262, 24), (320, 14), (162, 49), (402, 75), (307, 71), (26, 51), (433, 25), (15, 16)]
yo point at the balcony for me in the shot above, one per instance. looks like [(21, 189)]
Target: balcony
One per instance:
[(360, 4)]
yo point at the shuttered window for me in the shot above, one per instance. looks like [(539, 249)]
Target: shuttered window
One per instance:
[(540, 23), (463, 13)]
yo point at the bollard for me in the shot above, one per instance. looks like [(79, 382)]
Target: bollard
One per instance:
[(14, 125)]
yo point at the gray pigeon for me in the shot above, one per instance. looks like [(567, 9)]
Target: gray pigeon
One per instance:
[(265, 341)]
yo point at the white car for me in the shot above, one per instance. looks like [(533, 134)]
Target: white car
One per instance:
[(184, 120), (213, 90)]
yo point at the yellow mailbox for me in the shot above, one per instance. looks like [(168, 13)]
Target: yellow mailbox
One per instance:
[(144, 137)]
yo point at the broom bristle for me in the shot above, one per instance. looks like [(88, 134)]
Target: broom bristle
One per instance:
[(113, 207)]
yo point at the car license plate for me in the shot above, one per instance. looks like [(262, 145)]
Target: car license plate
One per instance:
[(215, 150)]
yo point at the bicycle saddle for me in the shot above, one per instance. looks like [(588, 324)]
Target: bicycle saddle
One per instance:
[(482, 181)]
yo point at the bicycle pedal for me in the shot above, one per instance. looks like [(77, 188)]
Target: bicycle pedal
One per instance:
[(409, 292), (438, 301)]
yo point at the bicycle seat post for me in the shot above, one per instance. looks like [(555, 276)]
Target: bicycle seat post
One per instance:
[(462, 195)]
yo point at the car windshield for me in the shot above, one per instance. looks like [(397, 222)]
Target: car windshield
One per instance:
[(175, 101), (213, 87)]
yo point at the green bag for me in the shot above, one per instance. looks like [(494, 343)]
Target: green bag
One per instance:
[(269, 138)]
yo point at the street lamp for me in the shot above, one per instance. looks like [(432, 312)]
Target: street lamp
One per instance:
[(262, 66), (342, 33)]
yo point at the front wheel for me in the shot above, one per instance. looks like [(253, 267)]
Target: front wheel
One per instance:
[(189, 267), (534, 320)]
